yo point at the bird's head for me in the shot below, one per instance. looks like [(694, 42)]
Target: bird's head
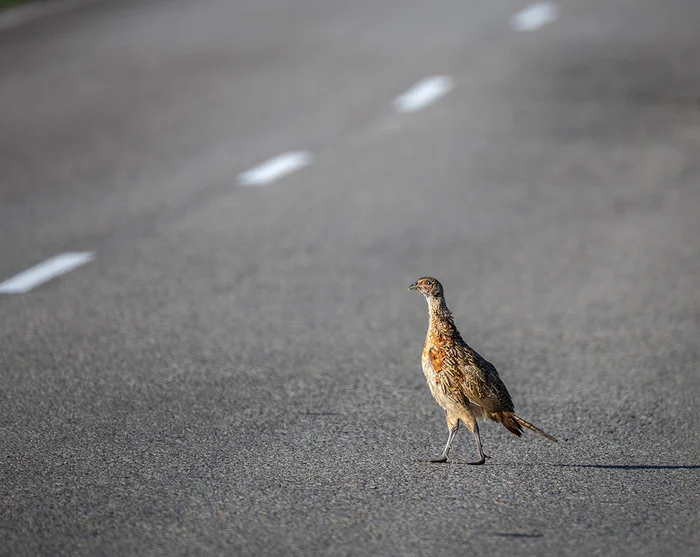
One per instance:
[(428, 286)]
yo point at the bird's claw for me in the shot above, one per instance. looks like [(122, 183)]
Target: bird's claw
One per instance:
[(439, 459)]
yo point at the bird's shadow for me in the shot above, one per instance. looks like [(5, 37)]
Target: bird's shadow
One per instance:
[(632, 466), (610, 466), (515, 535)]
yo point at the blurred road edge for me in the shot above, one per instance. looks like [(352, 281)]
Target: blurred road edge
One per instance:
[(23, 13)]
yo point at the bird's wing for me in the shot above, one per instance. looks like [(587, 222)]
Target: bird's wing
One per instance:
[(476, 378)]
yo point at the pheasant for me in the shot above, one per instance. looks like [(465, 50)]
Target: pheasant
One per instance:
[(461, 381)]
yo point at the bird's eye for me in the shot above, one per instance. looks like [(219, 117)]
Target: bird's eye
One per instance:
[(428, 283)]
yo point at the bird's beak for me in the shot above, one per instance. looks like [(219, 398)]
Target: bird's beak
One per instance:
[(414, 286)]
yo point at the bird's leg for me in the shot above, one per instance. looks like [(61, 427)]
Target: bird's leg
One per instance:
[(452, 426), (474, 426)]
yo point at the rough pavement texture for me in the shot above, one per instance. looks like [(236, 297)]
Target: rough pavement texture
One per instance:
[(238, 371)]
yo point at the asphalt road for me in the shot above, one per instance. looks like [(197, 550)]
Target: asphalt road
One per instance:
[(237, 372)]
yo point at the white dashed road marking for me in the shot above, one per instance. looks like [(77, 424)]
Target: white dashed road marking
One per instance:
[(52, 267), (423, 93), (534, 16), (275, 168)]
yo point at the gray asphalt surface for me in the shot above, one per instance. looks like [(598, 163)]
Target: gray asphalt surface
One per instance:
[(238, 371)]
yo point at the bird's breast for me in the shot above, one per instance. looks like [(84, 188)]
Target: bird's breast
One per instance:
[(432, 365), (438, 383)]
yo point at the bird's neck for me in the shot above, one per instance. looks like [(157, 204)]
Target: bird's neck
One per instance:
[(440, 315)]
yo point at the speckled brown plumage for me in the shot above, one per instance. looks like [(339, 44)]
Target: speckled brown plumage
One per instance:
[(466, 385)]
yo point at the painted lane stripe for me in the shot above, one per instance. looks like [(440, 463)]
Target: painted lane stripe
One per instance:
[(534, 16), (423, 93), (46, 270), (275, 168)]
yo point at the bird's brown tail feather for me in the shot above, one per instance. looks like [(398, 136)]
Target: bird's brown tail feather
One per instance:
[(515, 425)]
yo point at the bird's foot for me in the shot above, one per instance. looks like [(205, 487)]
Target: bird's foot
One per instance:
[(439, 459), (479, 462)]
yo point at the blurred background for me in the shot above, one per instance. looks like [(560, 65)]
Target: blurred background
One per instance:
[(210, 212)]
